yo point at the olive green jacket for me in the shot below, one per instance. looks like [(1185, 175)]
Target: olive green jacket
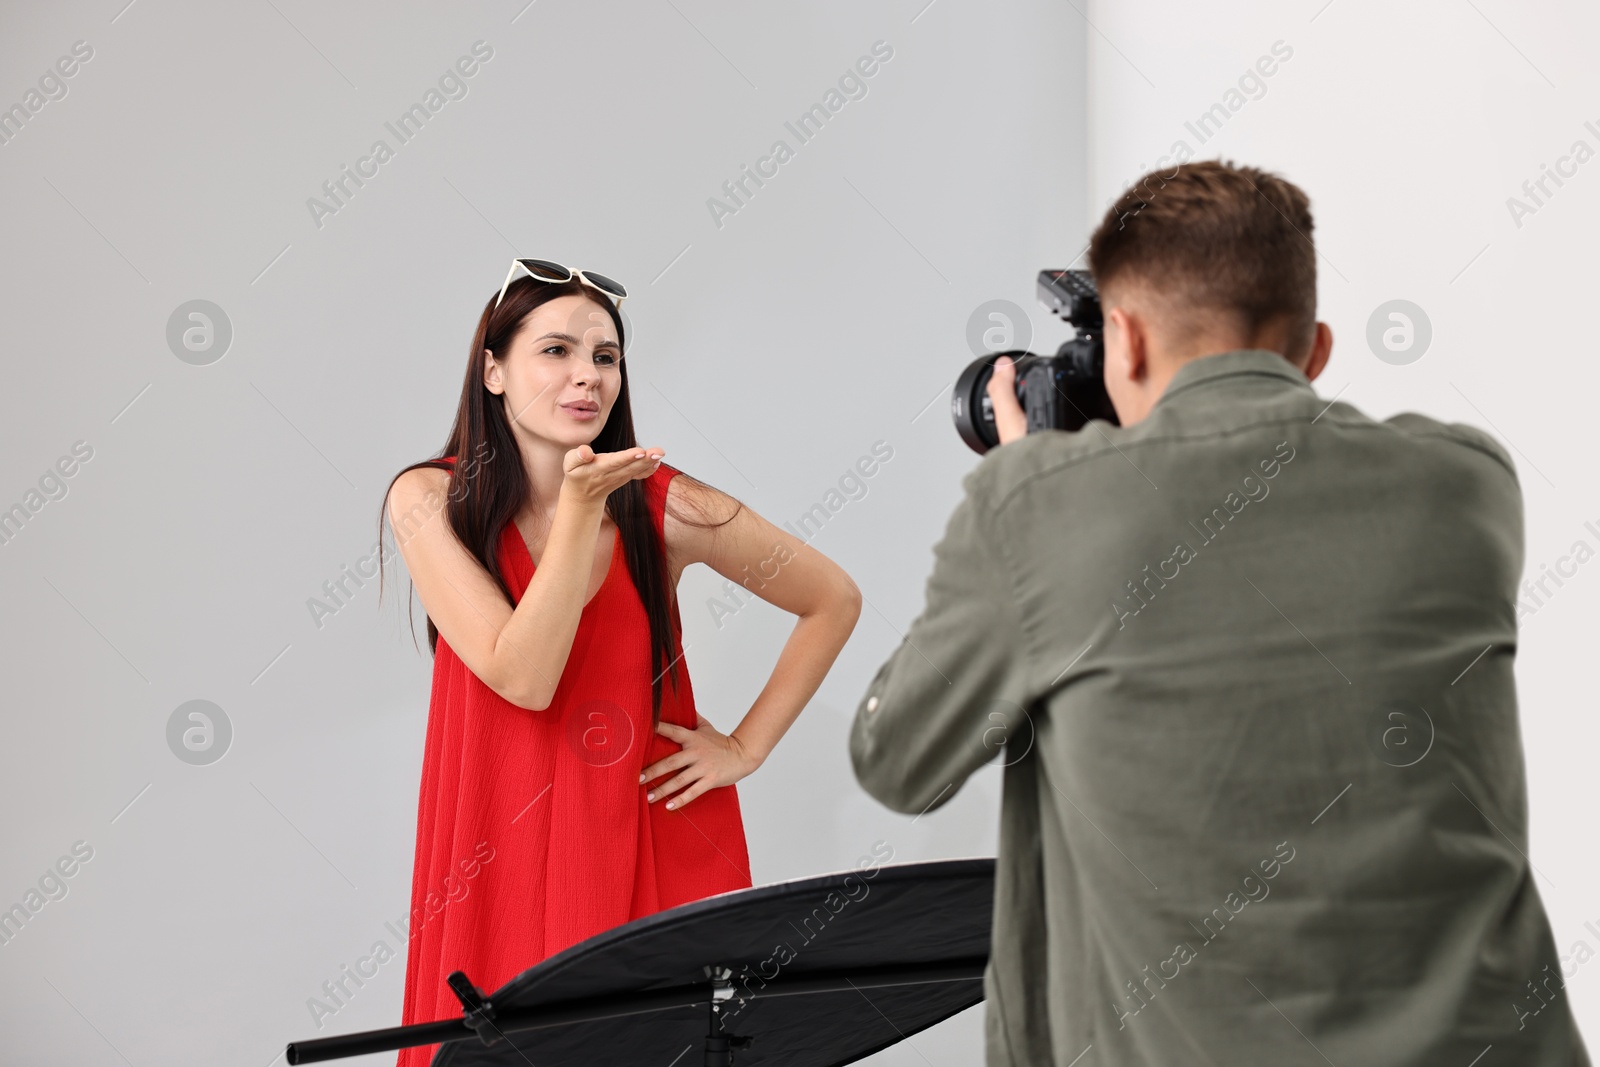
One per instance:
[(1248, 667)]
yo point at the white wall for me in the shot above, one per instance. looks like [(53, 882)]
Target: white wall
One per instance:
[(1410, 125)]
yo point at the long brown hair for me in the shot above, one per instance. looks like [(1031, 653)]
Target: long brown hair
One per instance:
[(488, 485)]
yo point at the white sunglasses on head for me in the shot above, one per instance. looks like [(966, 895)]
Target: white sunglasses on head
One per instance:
[(543, 270)]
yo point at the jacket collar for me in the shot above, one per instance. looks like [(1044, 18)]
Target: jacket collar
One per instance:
[(1238, 363)]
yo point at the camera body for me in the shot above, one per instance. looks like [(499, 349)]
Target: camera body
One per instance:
[(1059, 392)]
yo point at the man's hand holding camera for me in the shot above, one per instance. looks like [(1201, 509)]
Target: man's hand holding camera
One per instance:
[(1010, 421)]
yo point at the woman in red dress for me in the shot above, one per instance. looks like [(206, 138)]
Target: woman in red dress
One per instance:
[(568, 782)]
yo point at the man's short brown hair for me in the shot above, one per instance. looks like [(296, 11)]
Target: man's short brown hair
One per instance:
[(1214, 244)]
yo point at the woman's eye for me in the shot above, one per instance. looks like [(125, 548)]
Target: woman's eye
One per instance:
[(557, 349), (605, 359)]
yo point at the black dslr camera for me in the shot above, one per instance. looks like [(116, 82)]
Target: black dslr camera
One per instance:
[(1059, 392)]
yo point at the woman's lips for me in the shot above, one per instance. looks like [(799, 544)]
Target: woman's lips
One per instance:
[(580, 412)]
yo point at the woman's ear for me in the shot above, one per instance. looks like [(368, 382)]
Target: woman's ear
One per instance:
[(491, 373)]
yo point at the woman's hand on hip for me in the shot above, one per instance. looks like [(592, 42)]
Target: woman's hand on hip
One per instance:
[(708, 759)]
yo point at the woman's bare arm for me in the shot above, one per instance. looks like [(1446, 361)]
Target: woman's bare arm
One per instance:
[(782, 570), (518, 652)]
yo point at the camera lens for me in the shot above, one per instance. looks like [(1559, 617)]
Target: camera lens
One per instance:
[(970, 405)]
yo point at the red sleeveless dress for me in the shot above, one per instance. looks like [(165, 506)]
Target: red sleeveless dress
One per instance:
[(533, 832)]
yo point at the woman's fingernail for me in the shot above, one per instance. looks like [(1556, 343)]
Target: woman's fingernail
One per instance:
[(641, 779), (670, 803)]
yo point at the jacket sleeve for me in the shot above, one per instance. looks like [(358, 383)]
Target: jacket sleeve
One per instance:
[(955, 692)]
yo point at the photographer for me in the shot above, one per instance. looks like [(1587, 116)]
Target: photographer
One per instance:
[(1247, 658)]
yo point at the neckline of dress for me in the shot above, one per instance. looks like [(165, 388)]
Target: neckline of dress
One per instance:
[(611, 564)]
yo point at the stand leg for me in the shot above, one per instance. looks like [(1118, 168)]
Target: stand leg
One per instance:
[(719, 1048), (717, 1052)]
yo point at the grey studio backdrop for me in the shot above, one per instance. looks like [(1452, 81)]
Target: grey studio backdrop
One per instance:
[(775, 346), (229, 873)]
